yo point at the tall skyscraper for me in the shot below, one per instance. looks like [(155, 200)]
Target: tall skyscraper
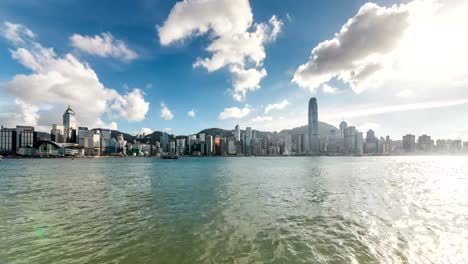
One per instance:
[(248, 140), (69, 125), (313, 126), (237, 133)]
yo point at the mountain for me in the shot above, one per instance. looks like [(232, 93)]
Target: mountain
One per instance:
[(323, 129)]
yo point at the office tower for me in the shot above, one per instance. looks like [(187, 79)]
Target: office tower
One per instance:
[(172, 147), (231, 146), (217, 145), (201, 137), (121, 145), (180, 142), (343, 126), (7, 141), (69, 126), (209, 144), (425, 143), (56, 133), (164, 141), (107, 145), (332, 143), (25, 137), (372, 143), (409, 143), (248, 140), (313, 126), (359, 143), (287, 144), (350, 140), (237, 133)]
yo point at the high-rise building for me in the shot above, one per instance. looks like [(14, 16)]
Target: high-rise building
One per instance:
[(69, 125), (25, 137), (359, 143), (172, 147), (425, 143), (313, 126), (56, 133), (287, 144), (237, 133), (201, 137), (231, 147), (7, 141), (332, 142), (164, 141), (180, 142), (209, 145), (343, 126), (409, 143), (248, 141), (350, 140)]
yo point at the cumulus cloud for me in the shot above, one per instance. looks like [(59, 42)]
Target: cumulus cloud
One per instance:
[(104, 45), (57, 81), (236, 42), (145, 131), (277, 106), (16, 33), (357, 52), (191, 113), (167, 129), (235, 112), (329, 89), (166, 113)]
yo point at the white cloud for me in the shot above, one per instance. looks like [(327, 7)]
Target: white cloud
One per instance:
[(262, 119), (104, 45), (16, 33), (418, 44), (145, 131), (236, 42), (364, 127), (357, 52), (191, 113), (167, 129), (58, 81), (278, 106), (235, 112), (329, 89), (166, 113)]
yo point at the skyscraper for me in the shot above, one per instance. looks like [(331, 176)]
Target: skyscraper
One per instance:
[(248, 140), (313, 126), (69, 126), (237, 133)]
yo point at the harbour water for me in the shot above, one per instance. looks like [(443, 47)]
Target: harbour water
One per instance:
[(234, 210)]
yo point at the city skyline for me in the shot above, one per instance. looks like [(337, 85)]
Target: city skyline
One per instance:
[(161, 72)]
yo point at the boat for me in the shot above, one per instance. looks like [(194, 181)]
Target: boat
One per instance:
[(169, 156)]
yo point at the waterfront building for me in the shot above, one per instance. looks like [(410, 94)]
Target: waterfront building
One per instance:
[(56, 133), (164, 141), (180, 142), (298, 143), (313, 126), (201, 137), (121, 145), (409, 143), (359, 143), (7, 141), (237, 133), (69, 125), (25, 138), (107, 144), (425, 143), (456, 146), (332, 141), (209, 145), (248, 140), (350, 140), (288, 145), (231, 146), (465, 146), (172, 147), (90, 141)]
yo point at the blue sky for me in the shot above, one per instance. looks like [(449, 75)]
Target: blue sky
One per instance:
[(133, 83)]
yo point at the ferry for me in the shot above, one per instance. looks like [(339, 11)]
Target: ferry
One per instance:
[(169, 156)]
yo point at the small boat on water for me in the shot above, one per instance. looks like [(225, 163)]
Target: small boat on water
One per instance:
[(169, 156)]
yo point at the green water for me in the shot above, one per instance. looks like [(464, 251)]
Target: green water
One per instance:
[(234, 210)]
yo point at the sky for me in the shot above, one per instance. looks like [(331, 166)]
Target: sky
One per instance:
[(396, 67)]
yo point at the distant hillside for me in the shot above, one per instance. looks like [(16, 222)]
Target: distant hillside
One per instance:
[(323, 129)]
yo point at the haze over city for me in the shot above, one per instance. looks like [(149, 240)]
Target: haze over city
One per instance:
[(184, 66)]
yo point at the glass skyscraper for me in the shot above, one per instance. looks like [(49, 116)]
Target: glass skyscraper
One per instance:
[(313, 126), (69, 125)]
